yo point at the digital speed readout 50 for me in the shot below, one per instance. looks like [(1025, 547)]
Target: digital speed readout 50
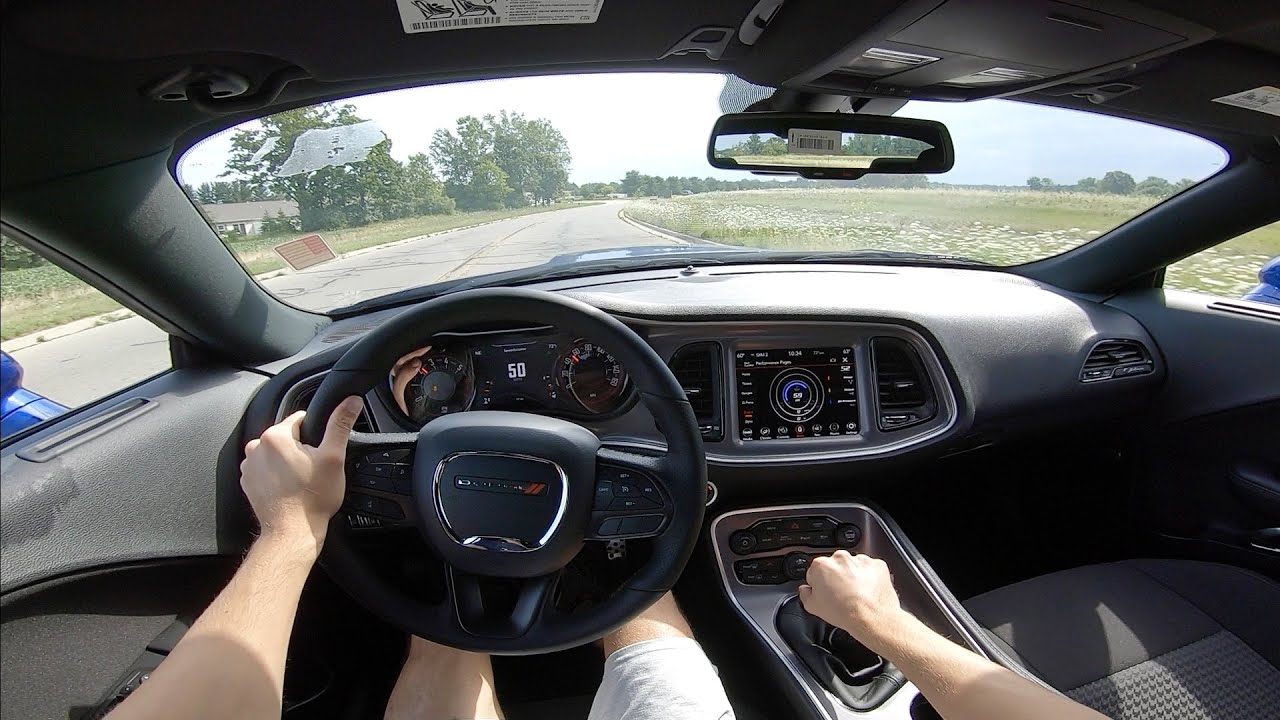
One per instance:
[(793, 394)]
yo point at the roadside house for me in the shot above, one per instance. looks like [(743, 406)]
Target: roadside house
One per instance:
[(246, 217)]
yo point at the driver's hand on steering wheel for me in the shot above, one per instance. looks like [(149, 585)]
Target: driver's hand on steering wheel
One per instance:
[(295, 488), (404, 371)]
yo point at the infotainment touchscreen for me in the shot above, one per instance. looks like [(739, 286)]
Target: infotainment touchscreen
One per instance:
[(796, 393)]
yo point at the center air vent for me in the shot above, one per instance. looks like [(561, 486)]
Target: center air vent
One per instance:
[(904, 395), (302, 398), (697, 369), (1116, 359)]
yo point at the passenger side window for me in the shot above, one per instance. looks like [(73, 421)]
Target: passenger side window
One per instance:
[(1247, 266), (65, 344)]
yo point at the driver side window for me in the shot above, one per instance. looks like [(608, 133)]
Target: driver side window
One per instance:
[(1246, 266), (65, 343)]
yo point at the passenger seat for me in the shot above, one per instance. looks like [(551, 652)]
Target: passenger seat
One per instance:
[(1147, 639)]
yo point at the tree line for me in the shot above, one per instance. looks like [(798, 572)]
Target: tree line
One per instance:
[(484, 163), (1115, 182), (857, 144)]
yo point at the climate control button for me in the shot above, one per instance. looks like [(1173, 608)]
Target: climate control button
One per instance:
[(743, 542)]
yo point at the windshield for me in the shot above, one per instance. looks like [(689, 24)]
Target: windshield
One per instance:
[(339, 203)]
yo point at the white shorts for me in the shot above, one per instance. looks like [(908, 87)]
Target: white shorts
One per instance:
[(666, 679)]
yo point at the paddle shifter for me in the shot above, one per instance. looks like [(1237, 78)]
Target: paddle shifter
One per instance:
[(860, 678)]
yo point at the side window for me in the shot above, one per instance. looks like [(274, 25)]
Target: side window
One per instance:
[(1247, 266), (64, 343)]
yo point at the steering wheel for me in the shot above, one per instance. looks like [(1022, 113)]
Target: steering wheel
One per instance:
[(513, 495)]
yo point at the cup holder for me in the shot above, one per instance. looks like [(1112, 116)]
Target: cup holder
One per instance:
[(921, 709)]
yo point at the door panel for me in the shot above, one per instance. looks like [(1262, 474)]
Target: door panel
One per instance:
[(142, 484), (117, 520), (1217, 417), (65, 643)]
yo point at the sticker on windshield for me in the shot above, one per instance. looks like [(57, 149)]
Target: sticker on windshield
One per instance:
[(431, 15), (304, 252), (813, 142), (329, 147), (1263, 99)]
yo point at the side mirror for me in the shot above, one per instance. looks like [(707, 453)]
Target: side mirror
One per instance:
[(829, 146)]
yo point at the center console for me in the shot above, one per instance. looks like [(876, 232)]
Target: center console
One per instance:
[(763, 555)]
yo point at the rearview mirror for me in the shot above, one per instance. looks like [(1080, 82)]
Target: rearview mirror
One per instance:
[(830, 146)]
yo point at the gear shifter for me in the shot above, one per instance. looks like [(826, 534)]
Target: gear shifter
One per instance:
[(860, 678)]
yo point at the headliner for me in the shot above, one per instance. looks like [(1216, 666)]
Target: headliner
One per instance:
[(75, 72)]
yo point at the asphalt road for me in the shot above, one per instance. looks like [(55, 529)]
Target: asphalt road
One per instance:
[(75, 369)]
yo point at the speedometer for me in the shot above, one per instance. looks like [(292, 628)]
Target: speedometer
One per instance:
[(593, 376)]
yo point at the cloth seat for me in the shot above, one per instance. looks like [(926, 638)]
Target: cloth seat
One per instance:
[(1147, 639)]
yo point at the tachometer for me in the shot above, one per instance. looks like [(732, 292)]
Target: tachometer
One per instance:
[(593, 376), (442, 385)]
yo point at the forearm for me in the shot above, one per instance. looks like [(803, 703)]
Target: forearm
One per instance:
[(962, 685), (231, 662)]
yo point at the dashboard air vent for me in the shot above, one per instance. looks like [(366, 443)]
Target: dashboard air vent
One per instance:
[(904, 395), (1111, 359), (302, 398), (697, 368)]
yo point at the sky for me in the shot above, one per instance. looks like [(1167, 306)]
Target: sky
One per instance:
[(658, 124)]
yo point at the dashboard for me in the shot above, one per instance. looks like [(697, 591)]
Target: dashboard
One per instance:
[(786, 365)]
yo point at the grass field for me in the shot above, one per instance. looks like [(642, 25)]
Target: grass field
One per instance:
[(1004, 228), (38, 298)]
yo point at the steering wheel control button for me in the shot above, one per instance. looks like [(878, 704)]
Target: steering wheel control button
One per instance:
[(796, 565), (373, 482), (760, 571), (610, 527), (743, 542), (624, 504), (371, 505), (641, 524), (848, 535), (604, 495)]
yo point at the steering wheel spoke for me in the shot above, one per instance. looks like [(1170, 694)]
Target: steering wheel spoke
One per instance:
[(631, 496), (500, 612), (379, 481)]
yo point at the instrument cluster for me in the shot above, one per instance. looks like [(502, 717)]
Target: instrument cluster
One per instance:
[(549, 373)]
